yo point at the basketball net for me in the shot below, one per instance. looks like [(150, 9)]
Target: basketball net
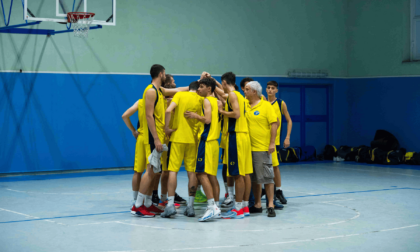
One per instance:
[(81, 23)]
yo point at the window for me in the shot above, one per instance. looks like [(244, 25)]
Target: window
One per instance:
[(415, 30)]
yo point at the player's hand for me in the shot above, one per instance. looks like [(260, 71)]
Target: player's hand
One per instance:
[(271, 148), (204, 75), (158, 145), (286, 143), (169, 131), (135, 134), (221, 110), (190, 115)]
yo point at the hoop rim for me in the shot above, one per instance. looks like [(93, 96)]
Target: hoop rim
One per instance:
[(75, 16)]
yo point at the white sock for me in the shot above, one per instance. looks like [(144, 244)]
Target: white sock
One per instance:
[(164, 197), (226, 188), (231, 191), (245, 204), (278, 188), (148, 201), (171, 200), (217, 204), (191, 201), (238, 205), (199, 188), (210, 202), (135, 194), (140, 198)]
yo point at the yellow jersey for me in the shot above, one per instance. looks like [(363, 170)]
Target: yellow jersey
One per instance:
[(277, 105), (211, 131), (186, 129), (140, 112), (260, 117), (158, 115), (232, 124)]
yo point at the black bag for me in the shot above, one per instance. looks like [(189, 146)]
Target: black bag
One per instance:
[(415, 159), (308, 153), (353, 153), (329, 152), (344, 152), (289, 155), (364, 155), (378, 156), (385, 141), (396, 157)]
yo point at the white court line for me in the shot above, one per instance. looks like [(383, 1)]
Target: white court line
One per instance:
[(277, 243), (403, 174), (29, 192), (29, 216)]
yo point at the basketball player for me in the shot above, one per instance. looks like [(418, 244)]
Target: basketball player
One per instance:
[(208, 149)]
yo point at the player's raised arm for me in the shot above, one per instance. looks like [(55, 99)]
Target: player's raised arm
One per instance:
[(172, 91)]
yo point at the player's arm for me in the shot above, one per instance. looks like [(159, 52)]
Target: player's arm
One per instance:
[(126, 118), (207, 113), (273, 133), (235, 107), (172, 91), (289, 124), (168, 114), (219, 88), (220, 98), (150, 109)]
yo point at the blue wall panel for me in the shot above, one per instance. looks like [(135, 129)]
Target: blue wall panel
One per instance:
[(73, 121)]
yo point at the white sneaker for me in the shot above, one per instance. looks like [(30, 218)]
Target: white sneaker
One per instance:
[(210, 213), (228, 202), (217, 213)]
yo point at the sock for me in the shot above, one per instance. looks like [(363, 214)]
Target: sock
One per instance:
[(171, 200), (210, 202), (226, 188), (148, 200), (199, 188), (217, 204), (191, 201), (140, 198), (238, 205), (164, 197), (155, 192), (245, 204), (135, 194), (230, 191), (278, 188)]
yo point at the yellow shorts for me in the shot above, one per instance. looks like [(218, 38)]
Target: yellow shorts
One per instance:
[(275, 157), (181, 151), (149, 147), (139, 158), (238, 156), (208, 157)]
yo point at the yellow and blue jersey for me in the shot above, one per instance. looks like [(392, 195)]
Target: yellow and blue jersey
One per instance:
[(277, 105)]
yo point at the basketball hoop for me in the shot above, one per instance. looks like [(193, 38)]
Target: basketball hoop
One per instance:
[(81, 22)]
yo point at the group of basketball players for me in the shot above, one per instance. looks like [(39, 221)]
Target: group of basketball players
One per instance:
[(188, 122)]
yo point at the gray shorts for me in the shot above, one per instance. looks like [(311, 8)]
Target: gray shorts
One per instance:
[(263, 168)]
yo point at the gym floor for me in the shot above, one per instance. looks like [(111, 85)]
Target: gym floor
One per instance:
[(331, 206)]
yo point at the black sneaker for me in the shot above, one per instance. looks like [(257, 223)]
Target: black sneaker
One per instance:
[(280, 196), (155, 199), (262, 192), (179, 199), (270, 212), (254, 209)]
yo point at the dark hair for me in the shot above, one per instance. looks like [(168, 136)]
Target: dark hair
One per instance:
[(155, 70), (168, 81), (273, 83), (244, 80), (194, 85), (208, 82), (236, 87), (230, 78)]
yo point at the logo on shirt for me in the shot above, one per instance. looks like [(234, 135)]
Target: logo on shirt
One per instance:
[(232, 163), (200, 159), (257, 112)]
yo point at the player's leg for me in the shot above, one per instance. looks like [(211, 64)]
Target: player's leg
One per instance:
[(175, 157), (277, 180), (155, 196)]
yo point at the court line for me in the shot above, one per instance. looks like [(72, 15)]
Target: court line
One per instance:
[(12, 190), (30, 216), (327, 194), (403, 174), (276, 243), (59, 217)]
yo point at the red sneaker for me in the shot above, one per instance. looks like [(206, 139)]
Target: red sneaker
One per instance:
[(154, 210), (234, 214), (141, 212), (162, 205), (246, 211)]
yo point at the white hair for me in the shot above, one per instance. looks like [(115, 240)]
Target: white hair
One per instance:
[(256, 86)]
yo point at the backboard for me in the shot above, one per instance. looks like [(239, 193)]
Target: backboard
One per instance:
[(56, 10)]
